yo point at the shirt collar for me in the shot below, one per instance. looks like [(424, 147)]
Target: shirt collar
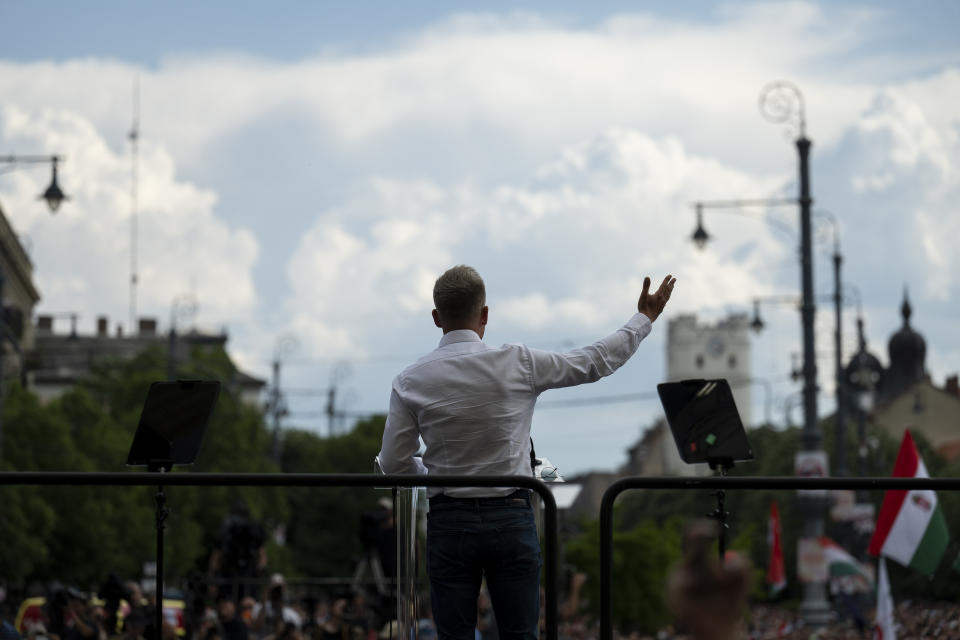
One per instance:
[(459, 335)]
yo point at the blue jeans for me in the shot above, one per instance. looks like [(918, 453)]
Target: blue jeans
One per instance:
[(469, 538)]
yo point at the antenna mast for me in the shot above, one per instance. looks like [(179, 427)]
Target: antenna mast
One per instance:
[(134, 137)]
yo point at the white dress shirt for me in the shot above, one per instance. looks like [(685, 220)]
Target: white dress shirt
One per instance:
[(472, 404)]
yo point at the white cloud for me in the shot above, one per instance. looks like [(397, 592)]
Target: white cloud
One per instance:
[(527, 79), (904, 139), (599, 218), (82, 253), (536, 311), (346, 282), (559, 159), (903, 161)]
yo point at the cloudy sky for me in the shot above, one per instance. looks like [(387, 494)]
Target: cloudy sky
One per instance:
[(306, 170)]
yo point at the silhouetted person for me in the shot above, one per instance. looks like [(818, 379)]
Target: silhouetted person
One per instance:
[(239, 555), (708, 599), (472, 405)]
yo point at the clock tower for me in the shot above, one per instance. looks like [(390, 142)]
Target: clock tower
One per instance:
[(720, 350)]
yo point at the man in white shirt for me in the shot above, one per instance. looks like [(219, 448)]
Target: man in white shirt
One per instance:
[(472, 405)]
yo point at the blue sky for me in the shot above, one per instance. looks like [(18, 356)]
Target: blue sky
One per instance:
[(307, 169), (145, 32)]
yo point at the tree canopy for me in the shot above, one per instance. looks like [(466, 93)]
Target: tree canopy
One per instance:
[(79, 535)]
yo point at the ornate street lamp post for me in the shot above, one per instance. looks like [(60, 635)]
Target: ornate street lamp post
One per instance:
[(783, 102)]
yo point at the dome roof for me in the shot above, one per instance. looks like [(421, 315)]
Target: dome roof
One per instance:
[(907, 348), (908, 353)]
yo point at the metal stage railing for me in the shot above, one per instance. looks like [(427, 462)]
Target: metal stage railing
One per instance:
[(550, 528), (377, 481), (725, 483)]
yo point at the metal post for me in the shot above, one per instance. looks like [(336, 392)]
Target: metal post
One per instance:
[(606, 561), (161, 520), (811, 436), (275, 410), (331, 400), (862, 496), (840, 433), (171, 349), (814, 608)]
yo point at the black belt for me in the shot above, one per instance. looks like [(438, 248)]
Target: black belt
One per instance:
[(522, 494)]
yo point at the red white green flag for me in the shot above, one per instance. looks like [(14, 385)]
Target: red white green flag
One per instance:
[(911, 528), (776, 576), (841, 563)]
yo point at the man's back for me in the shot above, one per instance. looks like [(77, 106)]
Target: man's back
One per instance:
[(473, 404)]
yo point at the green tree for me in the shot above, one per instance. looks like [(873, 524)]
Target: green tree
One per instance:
[(324, 523), (642, 559), (79, 534)]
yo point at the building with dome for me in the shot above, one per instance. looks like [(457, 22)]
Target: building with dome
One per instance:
[(902, 395)]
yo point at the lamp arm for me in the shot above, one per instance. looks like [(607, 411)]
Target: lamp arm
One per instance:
[(14, 160)]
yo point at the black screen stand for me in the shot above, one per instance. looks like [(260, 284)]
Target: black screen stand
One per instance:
[(706, 427), (719, 514), (161, 522), (170, 431)]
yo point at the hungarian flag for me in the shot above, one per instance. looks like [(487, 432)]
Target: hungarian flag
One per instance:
[(776, 576), (840, 563), (884, 626), (911, 528)]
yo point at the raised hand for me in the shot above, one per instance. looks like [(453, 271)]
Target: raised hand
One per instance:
[(651, 304)]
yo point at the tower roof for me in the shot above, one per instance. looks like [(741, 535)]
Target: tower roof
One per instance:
[(908, 352)]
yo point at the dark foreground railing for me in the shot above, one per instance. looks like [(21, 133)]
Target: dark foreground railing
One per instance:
[(324, 480), (550, 505), (725, 483)]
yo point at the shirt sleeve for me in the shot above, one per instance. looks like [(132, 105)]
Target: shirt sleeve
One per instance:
[(551, 370), (401, 440)]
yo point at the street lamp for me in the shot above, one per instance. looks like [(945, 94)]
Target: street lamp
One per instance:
[(54, 196), (700, 235), (782, 102), (757, 323)]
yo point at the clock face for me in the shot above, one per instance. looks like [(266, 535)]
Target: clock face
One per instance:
[(716, 346)]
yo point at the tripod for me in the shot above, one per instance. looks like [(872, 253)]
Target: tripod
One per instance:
[(371, 561), (723, 465), (171, 427), (162, 512)]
